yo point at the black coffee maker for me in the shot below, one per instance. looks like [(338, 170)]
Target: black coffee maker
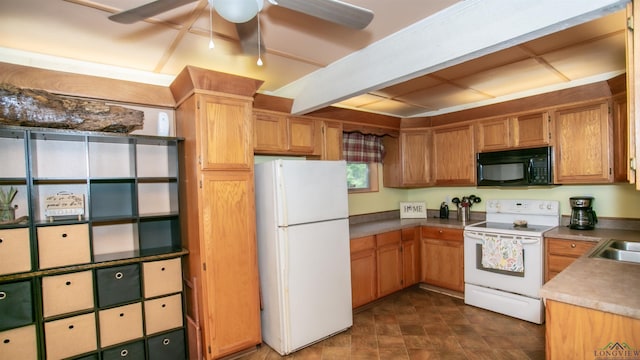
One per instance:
[(583, 217)]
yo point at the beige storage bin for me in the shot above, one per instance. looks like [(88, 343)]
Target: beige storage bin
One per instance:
[(120, 324), (162, 277), (163, 313), (20, 343), (15, 251), (67, 293), (63, 245), (70, 336)]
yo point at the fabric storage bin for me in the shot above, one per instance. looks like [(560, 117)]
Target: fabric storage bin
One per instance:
[(15, 251), (63, 245), (70, 336), (163, 314), (117, 285), (120, 324), (88, 357), (130, 351), (16, 305), (162, 277), (67, 293), (20, 343), (169, 346)]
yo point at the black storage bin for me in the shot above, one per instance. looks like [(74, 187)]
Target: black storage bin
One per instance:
[(130, 351), (88, 357), (118, 284), (169, 346), (16, 307)]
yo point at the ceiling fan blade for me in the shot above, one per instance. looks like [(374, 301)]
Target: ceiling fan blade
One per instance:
[(147, 10), (248, 35), (335, 11)]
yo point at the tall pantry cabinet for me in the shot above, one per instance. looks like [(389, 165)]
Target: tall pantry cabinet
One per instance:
[(214, 116)]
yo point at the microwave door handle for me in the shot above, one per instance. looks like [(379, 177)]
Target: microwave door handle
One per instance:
[(530, 170)]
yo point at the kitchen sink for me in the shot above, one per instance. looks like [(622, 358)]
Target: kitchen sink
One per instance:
[(619, 250)]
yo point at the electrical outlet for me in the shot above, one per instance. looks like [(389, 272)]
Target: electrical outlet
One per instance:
[(448, 199)]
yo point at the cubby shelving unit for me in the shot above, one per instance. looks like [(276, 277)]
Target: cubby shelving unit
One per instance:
[(101, 278)]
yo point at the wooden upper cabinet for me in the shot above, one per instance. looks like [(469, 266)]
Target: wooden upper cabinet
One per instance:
[(583, 150), (454, 155), (621, 148), (301, 135), (407, 159), (529, 130), (225, 131), (269, 131), (279, 133), (493, 134), (331, 140)]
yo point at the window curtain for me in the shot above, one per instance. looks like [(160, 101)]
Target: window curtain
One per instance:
[(361, 148)]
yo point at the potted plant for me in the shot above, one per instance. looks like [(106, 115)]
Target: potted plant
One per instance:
[(7, 212)]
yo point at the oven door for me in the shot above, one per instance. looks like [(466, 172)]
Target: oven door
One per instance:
[(526, 283)]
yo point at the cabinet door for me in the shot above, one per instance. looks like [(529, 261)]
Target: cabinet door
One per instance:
[(454, 156), (621, 148), (301, 135), (410, 257), (331, 140), (389, 262), (269, 132), (415, 155), (493, 134), (228, 249), (583, 151), (531, 130), (363, 277), (225, 131), (443, 263)]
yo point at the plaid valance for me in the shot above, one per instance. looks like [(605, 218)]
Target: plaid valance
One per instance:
[(361, 148)]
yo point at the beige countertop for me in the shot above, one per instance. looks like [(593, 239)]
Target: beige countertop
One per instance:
[(600, 284), (381, 226)]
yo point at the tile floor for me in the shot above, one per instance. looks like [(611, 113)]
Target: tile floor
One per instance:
[(417, 324)]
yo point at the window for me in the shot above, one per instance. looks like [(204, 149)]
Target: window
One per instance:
[(362, 153), (362, 177)]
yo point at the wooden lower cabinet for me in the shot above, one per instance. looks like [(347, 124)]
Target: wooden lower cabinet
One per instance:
[(389, 262), (443, 257), (382, 264), (574, 332), (560, 253)]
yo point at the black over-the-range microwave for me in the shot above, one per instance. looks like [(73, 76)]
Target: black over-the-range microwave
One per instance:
[(521, 167)]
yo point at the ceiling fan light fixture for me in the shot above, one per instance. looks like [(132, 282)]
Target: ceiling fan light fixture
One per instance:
[(237, 11)]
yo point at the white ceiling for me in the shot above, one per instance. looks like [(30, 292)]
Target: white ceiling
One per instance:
[(75, 35)]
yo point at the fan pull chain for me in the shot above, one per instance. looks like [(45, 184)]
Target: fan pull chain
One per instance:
[(259, 62), (211, 44)]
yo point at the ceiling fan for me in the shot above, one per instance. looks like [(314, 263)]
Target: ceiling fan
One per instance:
[(243, 14)]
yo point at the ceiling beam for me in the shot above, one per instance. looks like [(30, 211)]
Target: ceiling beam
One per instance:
[(462, 32)]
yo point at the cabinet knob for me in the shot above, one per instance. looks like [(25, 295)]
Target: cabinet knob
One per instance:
[(440, 231), (573, 246)]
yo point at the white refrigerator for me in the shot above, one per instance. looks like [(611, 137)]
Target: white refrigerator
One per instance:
[(303, 251)]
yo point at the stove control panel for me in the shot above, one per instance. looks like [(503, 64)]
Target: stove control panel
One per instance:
[(525, 207)]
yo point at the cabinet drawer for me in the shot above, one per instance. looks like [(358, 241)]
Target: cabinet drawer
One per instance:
[(131, 351), (569, 247), (70, 336), (162, 277), (557, 263), (362, 243), (63, 245), (120, 324), (15, 305), (442, 233), (391, 237), (67, 293), (163, 313), (118, 284), (15, 253), (168, 346), (20, 343)]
